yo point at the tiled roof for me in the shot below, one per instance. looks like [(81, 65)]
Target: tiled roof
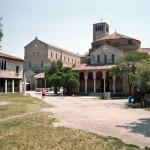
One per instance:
[(86, 54), (50, 45), (84, 67), (145, 50), (116, 35), (10, 56), (40, 75)]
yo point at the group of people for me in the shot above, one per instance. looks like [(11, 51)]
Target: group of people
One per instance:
[(61, 93)]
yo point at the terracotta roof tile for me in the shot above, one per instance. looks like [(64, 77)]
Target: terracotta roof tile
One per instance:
[(84, 67), (40, 75), (10, 56), (116, 35), (145, 50)]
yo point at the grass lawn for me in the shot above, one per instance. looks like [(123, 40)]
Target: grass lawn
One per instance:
[(36, 131)]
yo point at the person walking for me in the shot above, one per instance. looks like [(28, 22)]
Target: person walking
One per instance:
[(43, 94), (61, 93)]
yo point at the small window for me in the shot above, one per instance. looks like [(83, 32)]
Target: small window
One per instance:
[(72, 60), (113, 58), (96, 28), (56, 55), (130, 42), (5, 65), (29, 64), (51, 54), (38, 53), (0, 64), (42, 63), (108, 42), (17, 69), (105, 59), (98, 59)]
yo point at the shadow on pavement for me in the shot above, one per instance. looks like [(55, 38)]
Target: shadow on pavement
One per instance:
[(141, 127)]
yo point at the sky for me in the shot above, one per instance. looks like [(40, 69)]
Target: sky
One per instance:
[(69, 23)]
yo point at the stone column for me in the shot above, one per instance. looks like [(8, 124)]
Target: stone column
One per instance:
[(12, 86), (85, 78), (114, 84), (5, 85), (94, 77), (104, 77)]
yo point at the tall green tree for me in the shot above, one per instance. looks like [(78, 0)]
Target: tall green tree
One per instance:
[(126, 66), (61, 77), (1, 33), (142, 75)]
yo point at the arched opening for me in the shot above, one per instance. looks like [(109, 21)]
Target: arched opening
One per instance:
[(113, 58), (82, 82), (98, 81), (108, 42), (105, 59), (90, 82), (98, 59)]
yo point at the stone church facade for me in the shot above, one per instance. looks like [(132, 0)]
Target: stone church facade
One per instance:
[(96, 64), (38, 53)]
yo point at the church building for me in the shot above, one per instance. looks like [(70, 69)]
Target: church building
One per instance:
[(96, 64)]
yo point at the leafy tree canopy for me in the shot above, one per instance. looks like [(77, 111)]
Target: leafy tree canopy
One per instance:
[(61, 77), (127, 65), (1, 33), (142, 75)]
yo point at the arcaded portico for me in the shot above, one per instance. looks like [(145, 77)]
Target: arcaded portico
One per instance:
[(97, 79)]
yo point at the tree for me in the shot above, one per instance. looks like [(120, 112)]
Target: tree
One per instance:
[(127, 64), (61, 77), (1, 33), (142, 75), (50, 69)]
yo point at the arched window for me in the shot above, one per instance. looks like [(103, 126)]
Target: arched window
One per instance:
[(29, 64), (98, 59), (96, 28), (56, 55), (108, 42), (42, 63), (113, 58), (130, 42), (100, 28), (105, 58)]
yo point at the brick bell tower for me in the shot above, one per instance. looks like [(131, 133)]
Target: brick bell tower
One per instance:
[(100, 30)]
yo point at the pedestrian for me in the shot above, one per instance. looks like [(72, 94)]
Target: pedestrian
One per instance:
[(43, 94), (61, 93)]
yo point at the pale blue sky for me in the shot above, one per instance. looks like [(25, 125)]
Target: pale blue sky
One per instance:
[(68, 23)]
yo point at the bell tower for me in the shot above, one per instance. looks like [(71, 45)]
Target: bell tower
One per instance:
[(100, 30)]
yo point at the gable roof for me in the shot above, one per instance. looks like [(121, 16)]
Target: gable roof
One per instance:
[(40, 75), (10, 57), (50, 45), (107, 46)]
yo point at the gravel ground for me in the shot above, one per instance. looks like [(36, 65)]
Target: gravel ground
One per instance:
[(104, 117)]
